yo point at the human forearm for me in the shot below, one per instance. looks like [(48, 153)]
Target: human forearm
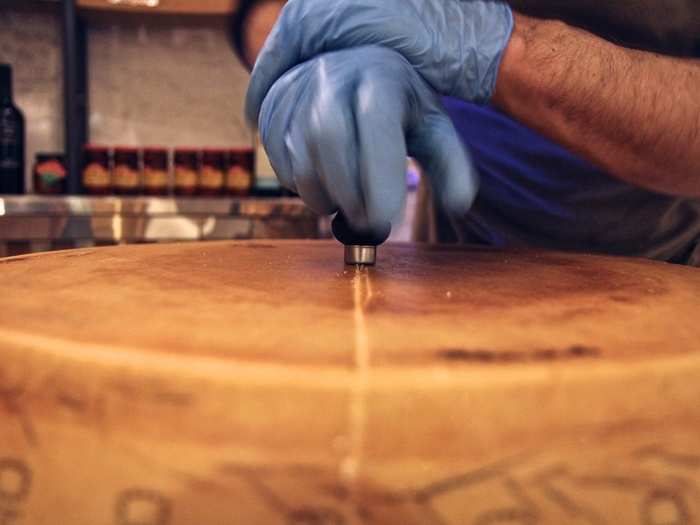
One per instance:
[(633, 113), (668, 26)]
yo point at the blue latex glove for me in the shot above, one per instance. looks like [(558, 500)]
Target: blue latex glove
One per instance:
[(456, 46), (338, 128)]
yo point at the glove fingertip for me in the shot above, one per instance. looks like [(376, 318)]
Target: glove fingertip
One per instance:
[(458, 196), (457, 204)]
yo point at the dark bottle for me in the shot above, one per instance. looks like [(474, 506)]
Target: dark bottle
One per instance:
[(11, 137), (155, 171), (211, 176), (239, 171), (186, 161), (126, 175), (97, 175)]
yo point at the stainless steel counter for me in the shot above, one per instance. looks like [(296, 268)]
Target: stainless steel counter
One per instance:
[(38, 223)]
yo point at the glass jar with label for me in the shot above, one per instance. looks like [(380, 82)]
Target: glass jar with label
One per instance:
[(155, 171), (186, 163), (126, 176), (239, 171), (211, 177), (96, 175), (50, 174)]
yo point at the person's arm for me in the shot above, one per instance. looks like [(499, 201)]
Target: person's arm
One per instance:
[(635, 114), (668, 26)]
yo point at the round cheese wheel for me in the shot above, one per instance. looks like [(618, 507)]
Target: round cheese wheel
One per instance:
[(267, 383)]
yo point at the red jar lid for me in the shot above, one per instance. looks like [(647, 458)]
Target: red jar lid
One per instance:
[(125, 149), (95, 147), (213, 156), (241, 150), (155, 149), (186, 156)]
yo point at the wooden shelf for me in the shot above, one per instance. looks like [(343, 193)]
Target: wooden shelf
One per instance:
[(185, 7)]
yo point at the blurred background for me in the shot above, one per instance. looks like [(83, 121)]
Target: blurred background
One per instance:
[(122, 122)]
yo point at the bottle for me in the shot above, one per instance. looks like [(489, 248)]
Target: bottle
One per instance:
[(97, 174), (186, 162), (11, 137), (239, 171), (126, 175), (211, 176), (155, 171)]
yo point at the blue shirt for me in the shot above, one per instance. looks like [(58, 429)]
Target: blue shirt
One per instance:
[(535, 193)]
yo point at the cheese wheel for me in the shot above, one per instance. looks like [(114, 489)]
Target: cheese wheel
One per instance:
[(267, 383)]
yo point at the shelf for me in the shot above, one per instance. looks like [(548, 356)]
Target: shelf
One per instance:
[(41, 223), (28, 205), (184, 7)]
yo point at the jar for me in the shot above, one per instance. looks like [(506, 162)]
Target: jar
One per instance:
[(186, 171), (50, 174), (211, 177), (239, 171), (126, 177), (155, 171), (96, 175)]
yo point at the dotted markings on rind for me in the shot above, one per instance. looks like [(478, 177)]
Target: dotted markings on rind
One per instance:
[(15, 481), (664, 507), (546, 355), (15, 486), (142, 507), (308, 516)]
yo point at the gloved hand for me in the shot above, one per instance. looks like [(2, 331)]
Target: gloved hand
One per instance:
[(338, 128), (455, 45)]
